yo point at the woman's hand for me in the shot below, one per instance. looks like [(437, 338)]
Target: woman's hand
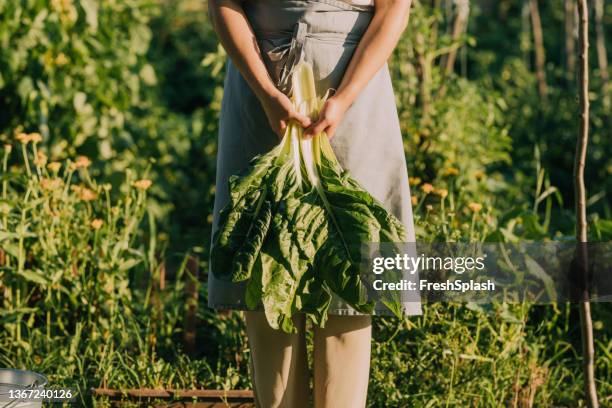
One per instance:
[(240, 42), (329, 118), (280, 110)]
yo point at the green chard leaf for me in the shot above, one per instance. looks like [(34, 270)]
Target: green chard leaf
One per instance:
[(295, 226)]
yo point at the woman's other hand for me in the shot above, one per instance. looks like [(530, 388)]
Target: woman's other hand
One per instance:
[(280, 110), (329, 118)]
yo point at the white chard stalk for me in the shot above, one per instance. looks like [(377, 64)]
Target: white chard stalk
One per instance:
[(306, 100)]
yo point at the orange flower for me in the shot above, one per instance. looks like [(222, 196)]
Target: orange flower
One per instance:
[(414, 200), (61, 59), (84, 193), (442, 192), (82, 161), (35, 137), (54, 166), (24, 138), (50, 184), (41, 159), (475, 207), (97, 224), (87, 195), (143, 184), (8, 148), (427, 188), (451, 171)]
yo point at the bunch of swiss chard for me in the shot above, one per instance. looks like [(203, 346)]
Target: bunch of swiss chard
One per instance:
[(295, 226)]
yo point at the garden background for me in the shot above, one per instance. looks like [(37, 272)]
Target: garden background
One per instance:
[(108, 121)]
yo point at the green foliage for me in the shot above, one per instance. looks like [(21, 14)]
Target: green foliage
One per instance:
[(137, 85), (491, 356), (455, 134), (75, 264), (67, 72), (506, 69), (90, 78)]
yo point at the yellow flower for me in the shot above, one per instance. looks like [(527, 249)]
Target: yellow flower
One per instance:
[(475, 207), (61, 59), (427, 188), (479, 174), (451, 171), (41, 159), (429, 207), (66, 10), (54, 166), (82, 161), (56, 4), (414, 200), (48, 58), (142, 184), (442, 192), (8, 148), (50, 183), (414, 181), (97, 224)]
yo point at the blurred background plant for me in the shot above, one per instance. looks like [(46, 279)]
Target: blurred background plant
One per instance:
[(109, 121)]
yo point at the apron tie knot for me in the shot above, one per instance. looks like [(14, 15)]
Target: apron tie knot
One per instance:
[(288, 55)]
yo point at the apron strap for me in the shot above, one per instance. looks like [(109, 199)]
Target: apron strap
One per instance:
[(292, 56)]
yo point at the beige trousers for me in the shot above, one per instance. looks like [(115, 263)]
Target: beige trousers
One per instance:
[(279, 363)]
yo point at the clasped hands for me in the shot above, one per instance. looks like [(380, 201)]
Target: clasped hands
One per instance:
[(280, 111)]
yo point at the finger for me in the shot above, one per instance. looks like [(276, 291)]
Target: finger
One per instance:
[(330, 131), (317, 127), (303, 120), (280, 130)]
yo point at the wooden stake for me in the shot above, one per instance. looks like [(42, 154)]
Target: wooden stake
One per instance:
[(570, 42), (600, 41), (538, 44), (191, 294), (586, 324), (602, 56), (459, 24)]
